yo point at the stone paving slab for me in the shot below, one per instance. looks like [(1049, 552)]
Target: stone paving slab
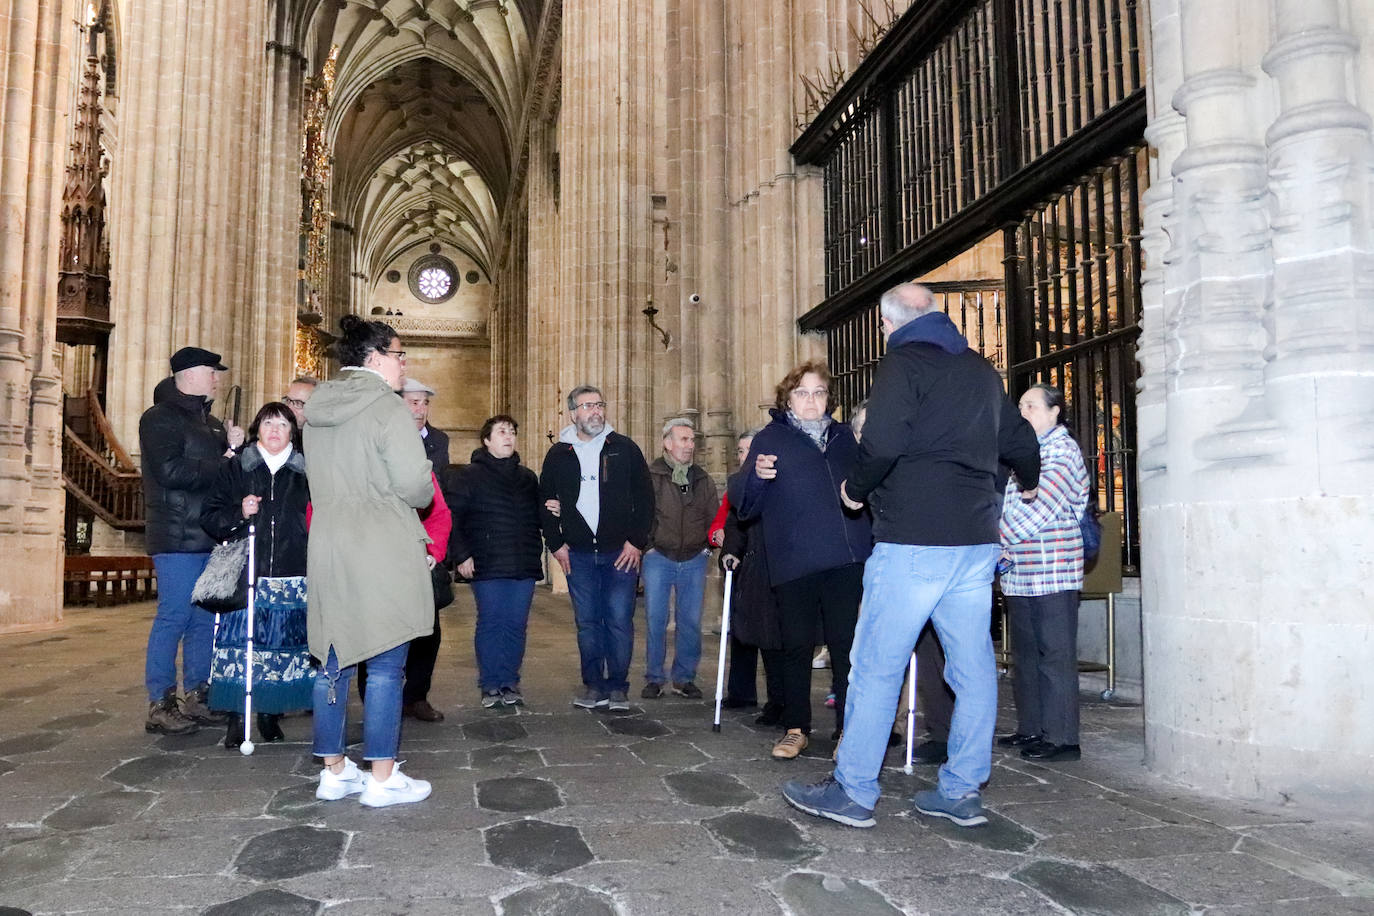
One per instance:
[(549, 809)]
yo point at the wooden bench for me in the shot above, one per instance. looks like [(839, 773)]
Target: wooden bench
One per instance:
[(107, 581)]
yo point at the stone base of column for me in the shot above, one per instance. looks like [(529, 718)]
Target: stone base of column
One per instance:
[(31, 587), (1258, 643)]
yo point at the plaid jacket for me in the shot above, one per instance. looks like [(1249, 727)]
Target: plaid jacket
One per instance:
[(1043, 535)]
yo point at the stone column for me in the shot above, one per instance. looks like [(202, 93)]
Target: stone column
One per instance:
[(35, 69), (1258, 483)]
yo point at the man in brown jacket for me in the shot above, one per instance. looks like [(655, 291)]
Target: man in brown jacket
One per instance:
[(685, 502)]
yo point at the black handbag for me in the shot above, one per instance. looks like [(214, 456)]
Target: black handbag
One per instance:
[(443, 586), (222, 586)]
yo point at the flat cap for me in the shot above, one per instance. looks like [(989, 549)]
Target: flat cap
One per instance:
[(190, 357), (413, 385)]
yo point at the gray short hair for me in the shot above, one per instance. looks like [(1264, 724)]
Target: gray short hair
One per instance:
[(906, 302), (676, 422), (581, 390), (305, 380), (749, 433)]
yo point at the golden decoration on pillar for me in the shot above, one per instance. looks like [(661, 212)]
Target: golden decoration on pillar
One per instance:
[(316, 165)]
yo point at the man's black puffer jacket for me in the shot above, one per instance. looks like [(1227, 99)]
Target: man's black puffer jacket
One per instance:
[(182, 450), (495, 505)]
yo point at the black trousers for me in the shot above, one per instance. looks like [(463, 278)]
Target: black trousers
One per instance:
[(933, 696), (833, 597), (742, 681), (1044, 675), (424, 651)]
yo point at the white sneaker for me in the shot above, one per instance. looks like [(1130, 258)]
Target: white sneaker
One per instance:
[(398, 789), (822, 659), (334, 786)]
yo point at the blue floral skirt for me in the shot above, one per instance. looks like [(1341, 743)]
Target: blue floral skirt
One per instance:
[(283, 675)]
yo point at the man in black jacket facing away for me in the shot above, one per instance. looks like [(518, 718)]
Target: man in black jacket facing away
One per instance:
[(939, 423), (182, 448), (599, 482)]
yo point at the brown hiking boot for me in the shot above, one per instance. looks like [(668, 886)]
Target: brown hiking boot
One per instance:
[(193, 707), (166, 718)]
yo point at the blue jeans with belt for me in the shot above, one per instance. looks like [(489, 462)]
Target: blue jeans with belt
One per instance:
[(178, 622), (381, 707)]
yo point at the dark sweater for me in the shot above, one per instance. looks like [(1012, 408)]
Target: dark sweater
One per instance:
[(939, 421), (495, 505), (806, 528), (627, 497)]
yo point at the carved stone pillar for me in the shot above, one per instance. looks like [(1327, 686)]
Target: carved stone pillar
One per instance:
[(1258, 480), (35, 83)]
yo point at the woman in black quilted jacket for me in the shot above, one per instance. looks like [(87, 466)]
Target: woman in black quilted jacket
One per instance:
[(496, 544)]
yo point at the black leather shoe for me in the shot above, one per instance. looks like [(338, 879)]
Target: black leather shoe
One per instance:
[(736, 703), (269, 727), (771, 715), (1016, 739), (930, 753), (1046, 751), (233, 733)]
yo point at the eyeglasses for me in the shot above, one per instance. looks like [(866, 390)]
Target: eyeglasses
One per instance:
[(293, 402), (399, 354), (816, 394), (591, 405)]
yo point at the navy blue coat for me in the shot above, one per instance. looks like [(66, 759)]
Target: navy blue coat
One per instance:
[(805, 525)]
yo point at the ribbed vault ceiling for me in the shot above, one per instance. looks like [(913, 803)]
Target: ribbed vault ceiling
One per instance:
[(427, 95)]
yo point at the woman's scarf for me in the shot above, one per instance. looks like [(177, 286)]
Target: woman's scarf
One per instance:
[(813, 428)]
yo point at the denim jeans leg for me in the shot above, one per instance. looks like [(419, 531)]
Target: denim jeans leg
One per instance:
[(896, 604), (486, 633), (330, 702), (658, 584), (962, 620), (382, 708), (689, 590), (515, 624), (618, 593), (175, 624), (584, 588)]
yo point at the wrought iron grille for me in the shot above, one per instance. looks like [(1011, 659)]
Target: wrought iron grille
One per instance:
[(1076, 301), (856, 344), (854, 237)]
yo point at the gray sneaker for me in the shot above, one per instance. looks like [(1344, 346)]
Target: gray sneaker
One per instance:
[(827, 798), (511, 696), (491, 698), (590, 699), (966, 811), (166, 718), (619, 701)]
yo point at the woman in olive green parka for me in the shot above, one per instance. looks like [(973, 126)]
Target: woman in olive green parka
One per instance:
[(370, 590)]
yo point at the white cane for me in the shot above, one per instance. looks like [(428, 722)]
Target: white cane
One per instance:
[(724, 639), (910, 714), (246, 748)]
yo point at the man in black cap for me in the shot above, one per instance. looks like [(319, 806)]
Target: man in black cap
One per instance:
[(182, 449)]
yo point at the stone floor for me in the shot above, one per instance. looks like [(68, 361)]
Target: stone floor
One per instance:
[(552, 810)]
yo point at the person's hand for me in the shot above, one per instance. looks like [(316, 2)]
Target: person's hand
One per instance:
[(765, 467), (629, 558), (554, 507), (250, 505), (1028, 496), (430, 561), (718, 537), (467, 568), (729, 561), (844, 498), (236, 435), (561, 555)]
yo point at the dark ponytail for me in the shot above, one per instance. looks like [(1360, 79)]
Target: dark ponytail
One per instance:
[(361, 337)]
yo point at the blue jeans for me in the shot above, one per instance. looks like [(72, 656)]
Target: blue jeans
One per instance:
[(688, 579), (381, 707), (603, 600), (904, 586), (503, 611), (178, 622)]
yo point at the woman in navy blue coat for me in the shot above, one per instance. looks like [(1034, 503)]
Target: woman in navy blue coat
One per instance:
[(816, 547)]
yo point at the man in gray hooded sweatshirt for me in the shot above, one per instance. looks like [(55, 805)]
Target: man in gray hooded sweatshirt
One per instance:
[(599, 482)]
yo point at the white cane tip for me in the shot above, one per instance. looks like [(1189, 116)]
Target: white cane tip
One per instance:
[(246, 748), (909, 770)]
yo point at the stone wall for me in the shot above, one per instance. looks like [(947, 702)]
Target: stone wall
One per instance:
[(1256, 408)]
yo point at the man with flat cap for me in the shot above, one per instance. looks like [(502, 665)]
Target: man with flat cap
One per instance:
[(416, 394), (182, 448)]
